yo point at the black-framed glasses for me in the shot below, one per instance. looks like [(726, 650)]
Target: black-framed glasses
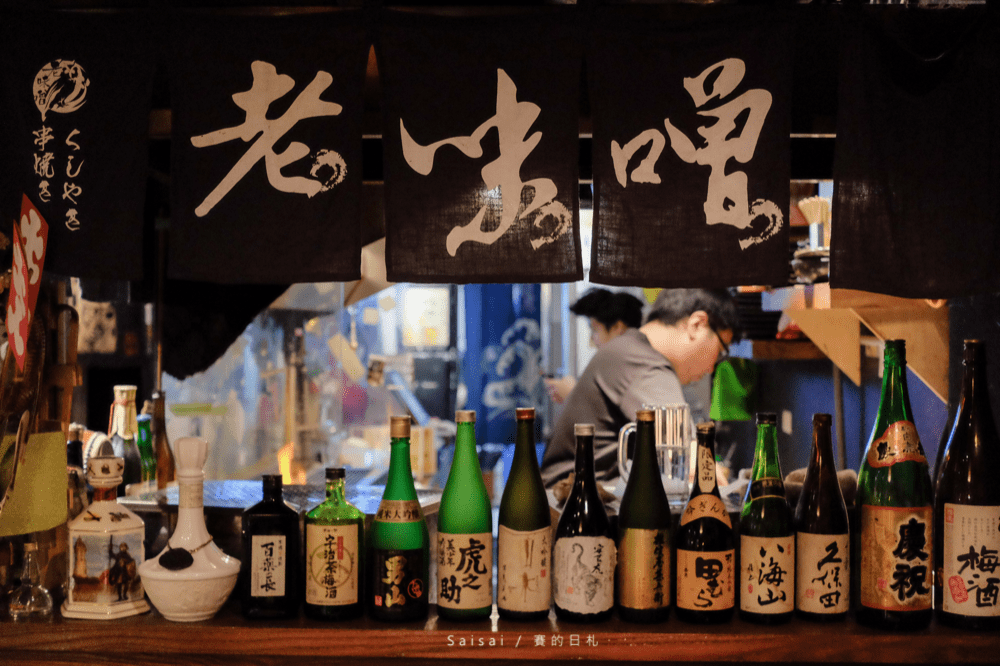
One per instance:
[(724, 348)]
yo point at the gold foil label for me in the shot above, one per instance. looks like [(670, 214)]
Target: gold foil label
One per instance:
[(706, 506), (399, 511), (524, 571), (583, 571), (705, 579), (896, 549), (331, 565), (971, 571), (465, 570), (643, 575), (823, 573), (767, 566), (899, 443)]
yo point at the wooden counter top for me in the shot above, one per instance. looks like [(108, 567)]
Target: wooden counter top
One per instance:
[(228, 638)]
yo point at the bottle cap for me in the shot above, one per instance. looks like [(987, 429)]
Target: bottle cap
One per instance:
[(30, 546), (822, 419), (335, 473), (583, 429), (465, 416), (973, 350), (76, 431), (524, 413), (399, 426), (121, 422), (271, 481), (706, 428), (645, 415), (767, 418)]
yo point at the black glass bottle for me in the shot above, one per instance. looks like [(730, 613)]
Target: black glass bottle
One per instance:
[(270, 576)]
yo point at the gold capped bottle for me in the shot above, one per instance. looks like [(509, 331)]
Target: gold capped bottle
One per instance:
[(400, 543), (465, 532), (895, 511), (967, 508), (642, 581), (767, 539), (706, 546), (524, 532), (822, 535)]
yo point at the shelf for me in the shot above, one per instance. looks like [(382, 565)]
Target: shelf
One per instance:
[(786, 350), (150, 639), (832, 319)]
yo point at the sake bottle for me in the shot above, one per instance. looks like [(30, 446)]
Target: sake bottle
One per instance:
[(584, 558), (400, 543), (967, 508), (335, 554), (123, 431), (822, 535), (895, 510), (524, 532), (270, 580), (706, 556), (767, 539), (465, 532), (144, 440), (643, 578)]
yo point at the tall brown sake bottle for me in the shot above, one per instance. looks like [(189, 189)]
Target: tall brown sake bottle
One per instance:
[(895, 511), (967, 508), (822, 535)]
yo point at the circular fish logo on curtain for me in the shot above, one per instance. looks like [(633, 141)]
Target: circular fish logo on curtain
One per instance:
[(60, 86)]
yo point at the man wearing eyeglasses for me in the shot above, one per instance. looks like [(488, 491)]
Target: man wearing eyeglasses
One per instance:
[(687, 332)]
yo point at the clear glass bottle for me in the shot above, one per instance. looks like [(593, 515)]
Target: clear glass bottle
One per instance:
[(335, 554), (642, 588), (122, 431), (767, 538), (895, 509), (400, 541), (967, 507), (524, 532), (822, 535), (270, 579), (30, 600), (465, 532), (706, 546), (584, 555)]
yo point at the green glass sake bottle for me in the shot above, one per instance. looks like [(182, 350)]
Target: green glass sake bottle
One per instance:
[(767, 538), (584, 553), (524, 532), (967, 508), (144, 440), (400, 543), (895, 549), (706, 546), (465, 532), (642, 585), (335, 554), (822, 535)]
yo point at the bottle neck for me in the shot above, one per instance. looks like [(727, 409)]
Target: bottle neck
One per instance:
[(644, 460), (400, 481), (704, 472), (465, 457), (273, 494), (106, 494), (584, 464), (335, 492), (765, 457), (894, 402)]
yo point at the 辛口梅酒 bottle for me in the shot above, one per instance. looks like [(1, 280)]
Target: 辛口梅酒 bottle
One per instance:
[(967, 507), (706, 547), (465, 532), (643, 575), (895, 548), (335, 560), (123, 431), (822, 535), (524, 532), (584, 553), (400, 543), (270, 582), (767, 539)]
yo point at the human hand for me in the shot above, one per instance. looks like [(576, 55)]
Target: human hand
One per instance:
[(559, 388)]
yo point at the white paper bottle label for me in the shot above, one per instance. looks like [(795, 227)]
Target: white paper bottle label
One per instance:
[(971, 569), (465, 570), (331, 565), (767, 574), (524, 571), (705, 579), (584, 574), (267, 565), (823, 573)]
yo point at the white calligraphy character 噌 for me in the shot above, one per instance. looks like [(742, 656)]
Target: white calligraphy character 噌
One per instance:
[(269, 86), (513, 120)]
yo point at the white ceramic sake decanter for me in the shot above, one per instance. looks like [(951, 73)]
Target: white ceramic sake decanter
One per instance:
[(191, 578)]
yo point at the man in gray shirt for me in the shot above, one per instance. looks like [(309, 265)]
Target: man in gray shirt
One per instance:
[(686, 333)]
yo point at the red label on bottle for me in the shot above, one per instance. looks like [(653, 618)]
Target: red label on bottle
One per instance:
[(957, 588), (899, 443)]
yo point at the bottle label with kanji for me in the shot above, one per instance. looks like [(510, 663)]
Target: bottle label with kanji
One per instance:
[(331, 565), (524, 570), (767, 566), (823, 573), (584, 574), (465, 570), (971, 571), (643, 577), (896, 557)]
